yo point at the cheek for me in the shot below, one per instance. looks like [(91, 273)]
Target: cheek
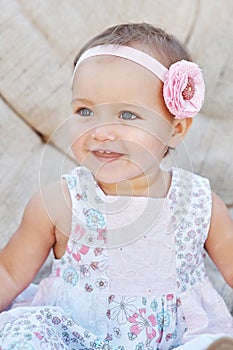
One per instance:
[(79, 126), (146, 143), (78, 134), (76, 149), (146, 150), (78, 145)]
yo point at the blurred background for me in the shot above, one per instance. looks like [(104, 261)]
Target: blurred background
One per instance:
[(38, 42)]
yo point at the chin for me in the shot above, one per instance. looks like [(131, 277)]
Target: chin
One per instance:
[(114, 175), (109, 178)]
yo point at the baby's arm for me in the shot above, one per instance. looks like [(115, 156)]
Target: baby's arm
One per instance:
[(219, 243), (26, 251)]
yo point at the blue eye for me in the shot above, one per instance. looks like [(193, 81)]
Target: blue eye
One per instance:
[(85, 112), (126, 115)]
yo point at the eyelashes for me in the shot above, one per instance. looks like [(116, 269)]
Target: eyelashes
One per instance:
[(85, 112), (123, 115), (127, 115)]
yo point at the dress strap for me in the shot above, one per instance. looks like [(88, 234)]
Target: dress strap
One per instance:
[(88, 219), (190, 198), (191, 202)]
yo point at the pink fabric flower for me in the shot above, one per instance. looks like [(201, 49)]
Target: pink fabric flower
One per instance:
[(184, 89)]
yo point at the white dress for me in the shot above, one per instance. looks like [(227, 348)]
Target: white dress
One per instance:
[(132, 276)]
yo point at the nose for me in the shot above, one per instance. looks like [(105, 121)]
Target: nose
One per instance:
[(104, 133)]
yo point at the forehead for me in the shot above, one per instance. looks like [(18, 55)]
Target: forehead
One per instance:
[(112, 65), (115, 77)]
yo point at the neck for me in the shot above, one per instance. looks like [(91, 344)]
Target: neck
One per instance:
[(152, 185)]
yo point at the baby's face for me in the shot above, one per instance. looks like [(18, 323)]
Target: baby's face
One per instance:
[(120, 125)]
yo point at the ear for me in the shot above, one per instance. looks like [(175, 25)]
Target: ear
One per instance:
[(180, 129)]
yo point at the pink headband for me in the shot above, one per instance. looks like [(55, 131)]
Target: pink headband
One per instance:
[(183, 88)]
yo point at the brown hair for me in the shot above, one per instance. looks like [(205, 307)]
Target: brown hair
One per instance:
[(153, 40)]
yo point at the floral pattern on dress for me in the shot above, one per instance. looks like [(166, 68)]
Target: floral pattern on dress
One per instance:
[(121, 308), (190, 200), (83, 280), (70, 276), (48, 328), (143, 322), (154, 323), (94, 219)]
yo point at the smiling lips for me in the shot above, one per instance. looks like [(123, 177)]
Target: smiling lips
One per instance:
[(106, 154)]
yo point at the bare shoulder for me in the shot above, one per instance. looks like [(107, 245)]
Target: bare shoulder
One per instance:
[(48, 202), (219, 243), (220, 217), (56, 199), (57, 203)]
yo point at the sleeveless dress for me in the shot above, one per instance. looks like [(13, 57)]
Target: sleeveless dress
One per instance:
[(132, 276)]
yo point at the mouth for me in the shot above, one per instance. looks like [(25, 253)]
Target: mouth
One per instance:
[(106, 155)]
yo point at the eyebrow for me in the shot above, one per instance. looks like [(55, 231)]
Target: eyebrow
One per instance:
[(83, 100)]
